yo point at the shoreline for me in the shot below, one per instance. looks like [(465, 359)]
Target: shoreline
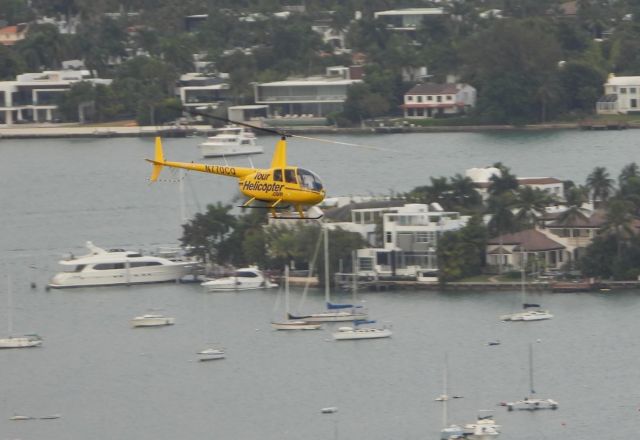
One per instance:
[(44, 131)]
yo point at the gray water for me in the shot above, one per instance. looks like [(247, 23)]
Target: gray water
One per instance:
[(110, 381)]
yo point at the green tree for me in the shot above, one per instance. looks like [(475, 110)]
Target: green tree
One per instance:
[(461, 253), (10, 64), (206, 232), (582, 85), (363, 104), (530, 205), (15, 11)]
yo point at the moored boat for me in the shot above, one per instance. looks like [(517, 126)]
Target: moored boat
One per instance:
[(231, 140), (152, 320), (117, 267), (247, 278)]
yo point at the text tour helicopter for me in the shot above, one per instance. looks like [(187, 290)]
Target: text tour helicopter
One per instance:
[(279, 186)]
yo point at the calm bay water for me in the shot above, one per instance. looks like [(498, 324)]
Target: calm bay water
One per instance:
[(108, 380)]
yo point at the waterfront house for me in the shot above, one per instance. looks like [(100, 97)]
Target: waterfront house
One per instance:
[(510, 251), (197, 90), (574, 232), (307, 98), (621, 95), (482, 180), (430, 100), (10, 35), (409, 235), (32, 96)]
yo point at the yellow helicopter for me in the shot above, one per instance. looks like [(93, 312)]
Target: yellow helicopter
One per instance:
[(278, 187)]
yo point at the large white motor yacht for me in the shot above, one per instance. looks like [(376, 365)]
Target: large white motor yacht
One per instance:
[(117, 266), (247, 278), (231, 140)]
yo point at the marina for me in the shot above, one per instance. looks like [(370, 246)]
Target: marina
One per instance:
[(384, 389)]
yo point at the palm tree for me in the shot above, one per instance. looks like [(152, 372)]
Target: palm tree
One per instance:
[(464, 196), (600, 185), (575, 197), (628, 172), (530, 205), (618, 222), (503, 182)]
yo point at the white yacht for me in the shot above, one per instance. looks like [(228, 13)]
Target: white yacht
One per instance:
[(527, 315), (152, 320), (247, 278), (484, 428), (21, 341), (347, 333), (102, 267), (231, 140), (211, 354)]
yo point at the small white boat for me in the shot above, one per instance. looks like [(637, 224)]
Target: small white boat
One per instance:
[(117, 266), (528, 315), (484, 428), (20, 417), (21, 341), (292, 324), (231, 140), (531, 403), (329, 410), (346, 333), (247, 278), (152, 320), (210, 354), (11, 341)]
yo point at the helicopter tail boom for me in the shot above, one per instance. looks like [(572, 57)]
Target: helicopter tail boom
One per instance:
[(158, 160)]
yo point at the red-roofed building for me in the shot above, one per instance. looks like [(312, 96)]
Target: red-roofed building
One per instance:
[(511, 250), (9, 35), (428, 100)]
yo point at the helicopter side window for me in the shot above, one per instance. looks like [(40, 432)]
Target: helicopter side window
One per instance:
[(309, 180), (290, 176), (277, 175)]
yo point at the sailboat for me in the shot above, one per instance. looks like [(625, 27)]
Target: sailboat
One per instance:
[(334, 312), (452, 431), (11, 341), (292, 324), (531, 312), (357, 332), (530, 402)]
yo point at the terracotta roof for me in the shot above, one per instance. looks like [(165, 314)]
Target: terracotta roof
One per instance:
[(596, 220), (433, 89), (531, 240)]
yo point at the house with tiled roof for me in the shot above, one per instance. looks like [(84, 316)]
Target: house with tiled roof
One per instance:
[(575, 232), (430, 100), (10, 35), (512, 250)]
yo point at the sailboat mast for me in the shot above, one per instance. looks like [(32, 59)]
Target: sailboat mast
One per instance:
[(354, 265), (9, 308), (326, 263), (533, 391), (522, 276), (445, 396), (286, 288)]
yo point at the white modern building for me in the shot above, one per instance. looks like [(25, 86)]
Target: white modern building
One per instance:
[(410, 235), (430, 100), (311, 97), (482, 180), (32, 96), (197, 90), (621, 95), (407, 19)]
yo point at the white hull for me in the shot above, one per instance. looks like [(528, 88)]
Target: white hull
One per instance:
[(117, 267), (211, 354), (532, 404), (213, 150), (295, 325), (248, 278), (532, 315), (152, 321), (334, 317), (20, 342), (361, 333)]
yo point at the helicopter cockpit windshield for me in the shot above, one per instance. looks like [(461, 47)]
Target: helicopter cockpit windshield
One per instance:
[(309, 180)]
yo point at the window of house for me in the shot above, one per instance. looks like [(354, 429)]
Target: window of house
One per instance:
[(419, 98), (389, 237), (365, 263), (409, 97), (634, 103), (623, 90), (632, 90), (439, 98), (429, 98), (450, 98)]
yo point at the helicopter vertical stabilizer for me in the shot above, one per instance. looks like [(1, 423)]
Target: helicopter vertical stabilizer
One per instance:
[(280, 154), (157, 160)]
